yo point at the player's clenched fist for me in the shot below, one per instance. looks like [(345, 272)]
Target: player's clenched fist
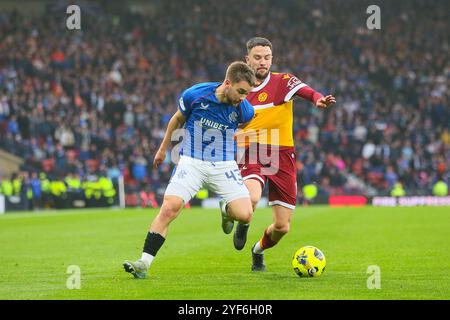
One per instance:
[(159, 158)]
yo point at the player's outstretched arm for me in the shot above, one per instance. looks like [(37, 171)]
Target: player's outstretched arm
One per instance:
[(320, 101), (175, 122)]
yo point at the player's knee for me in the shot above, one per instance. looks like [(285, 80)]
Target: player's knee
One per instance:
[(281, 227), (246, 216), (167, 214), (243, 214), (170, 209)]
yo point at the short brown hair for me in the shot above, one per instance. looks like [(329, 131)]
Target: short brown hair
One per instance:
[(239, 71), (258, 41)]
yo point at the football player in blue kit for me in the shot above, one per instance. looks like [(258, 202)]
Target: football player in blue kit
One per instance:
[(210, 113)]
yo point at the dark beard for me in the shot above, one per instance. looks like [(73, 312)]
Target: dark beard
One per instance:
[(261, 77)]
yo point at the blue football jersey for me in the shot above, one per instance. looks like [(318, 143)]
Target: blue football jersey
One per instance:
[(210, 125)]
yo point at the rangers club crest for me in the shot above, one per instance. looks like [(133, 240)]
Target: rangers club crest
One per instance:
[(233, 116)]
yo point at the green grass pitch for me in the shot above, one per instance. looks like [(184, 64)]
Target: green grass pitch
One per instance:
[(411, 246)]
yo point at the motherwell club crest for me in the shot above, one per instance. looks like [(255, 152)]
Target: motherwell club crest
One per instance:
[(262, 97)]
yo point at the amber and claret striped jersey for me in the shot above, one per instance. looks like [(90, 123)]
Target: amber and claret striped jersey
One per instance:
[(273, 120)]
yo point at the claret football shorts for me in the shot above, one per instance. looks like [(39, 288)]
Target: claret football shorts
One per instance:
[(275, 166)]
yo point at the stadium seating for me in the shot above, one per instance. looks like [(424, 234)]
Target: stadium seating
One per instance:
[(115, 86)]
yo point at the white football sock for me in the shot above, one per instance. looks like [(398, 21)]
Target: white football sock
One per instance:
[(257, 248), (147, 258)]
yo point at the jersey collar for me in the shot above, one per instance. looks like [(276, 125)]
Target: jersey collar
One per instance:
[(263, 84), (213, 97)]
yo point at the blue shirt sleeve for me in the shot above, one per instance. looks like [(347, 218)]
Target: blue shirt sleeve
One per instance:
[(185, 102), (247, 111)]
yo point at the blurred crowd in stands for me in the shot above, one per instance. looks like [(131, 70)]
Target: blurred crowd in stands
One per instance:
[(97, 100)]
